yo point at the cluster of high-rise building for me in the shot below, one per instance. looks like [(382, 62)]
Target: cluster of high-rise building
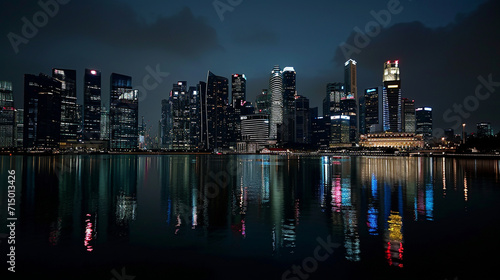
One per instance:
[(215, 115), (52, 118)]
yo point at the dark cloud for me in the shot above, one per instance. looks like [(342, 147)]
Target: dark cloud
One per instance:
[(439, 67), (115, 24)]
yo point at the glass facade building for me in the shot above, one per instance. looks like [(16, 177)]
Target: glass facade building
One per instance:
[(371, 107), (7, 115), (392, 97), (217, 112), (92, 105), (69, 124), (424, 122), (276, 88), (408, 114), (42, 112), (124, 113)]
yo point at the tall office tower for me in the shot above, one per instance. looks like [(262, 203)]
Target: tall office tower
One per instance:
[(202, 87), (195, 111), (19, 128), (350, 81), (371, 103), (349, 108), (301, 121), (238, 97), (484, 129), (42, 111), (238, 91), (424, 121), (276, 88), (217, 104), (123, 113), (104, 123), (392, 97), (340, 132), (180, 116), (408, 114), (69, 125), (331, 103), (351, 92), (289, 93), (7, 115), (166, 124), (255, 128), (264, 102), (91, 105)]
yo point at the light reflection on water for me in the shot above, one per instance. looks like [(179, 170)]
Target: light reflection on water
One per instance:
[(257, 206)]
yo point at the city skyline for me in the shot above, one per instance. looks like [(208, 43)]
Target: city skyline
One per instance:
[(316, 68)]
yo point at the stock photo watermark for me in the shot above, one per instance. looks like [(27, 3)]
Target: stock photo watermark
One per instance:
[(151, 81), (310, 264), (11, 220), (223, 6), (30, 28), (362, 38), (121, 276), (460, 112)]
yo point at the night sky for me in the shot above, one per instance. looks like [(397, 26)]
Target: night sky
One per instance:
[(443, 47)]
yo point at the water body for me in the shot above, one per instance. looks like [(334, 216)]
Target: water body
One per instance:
[(253, 217)]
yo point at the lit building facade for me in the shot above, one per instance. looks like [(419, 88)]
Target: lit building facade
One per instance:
[(424, 122), (69, 125), (409, 123), (263, 103), (7, 115), (484, 129), (238, 91), (255, 129), (217, 105), (392, 97), (339, 130), (371, 108), (104, 129), (276, 88), (331, 103), (124, 113), (19, 128), (180, 99), (395, 140), (288, 128), (92, 104)]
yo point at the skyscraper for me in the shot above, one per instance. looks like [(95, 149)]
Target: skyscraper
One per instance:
[(484, 129), (180, 116), (263, 103), (340, 130), (42, 111), (276, 88), (331, 103), (195, 113), (351, 93), (19, 128), (392, 97), (238, 91), (92, 105), (255, 128), (7, 115), (424, 122), (301, 121), (124, 113), (371, 106), (217, 104), (69, 125), (408, 115), (289, 92)]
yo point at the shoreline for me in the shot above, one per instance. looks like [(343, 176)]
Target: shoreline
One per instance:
[(289, 154)]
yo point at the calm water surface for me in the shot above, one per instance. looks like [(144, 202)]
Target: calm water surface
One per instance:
[(254, 217)]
